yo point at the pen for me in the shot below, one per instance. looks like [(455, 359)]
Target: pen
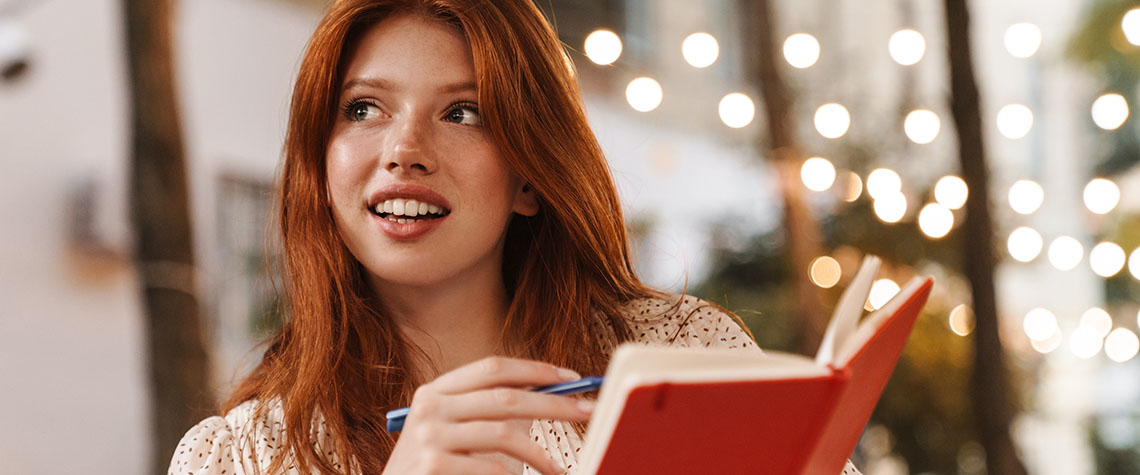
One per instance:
[(396, 416)]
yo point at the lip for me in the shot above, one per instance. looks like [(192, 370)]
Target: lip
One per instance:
[(419, 193), (413, 230)]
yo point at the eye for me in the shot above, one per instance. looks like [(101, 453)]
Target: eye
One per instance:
[(357, 110), (465, 113)]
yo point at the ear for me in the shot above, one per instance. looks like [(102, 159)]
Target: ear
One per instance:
[(526, 200)]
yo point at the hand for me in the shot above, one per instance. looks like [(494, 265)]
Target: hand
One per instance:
[(468, 411)]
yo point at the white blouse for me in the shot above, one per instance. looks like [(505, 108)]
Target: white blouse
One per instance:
[(220, 445)]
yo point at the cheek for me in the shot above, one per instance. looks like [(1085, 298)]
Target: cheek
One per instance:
[(345, 168)]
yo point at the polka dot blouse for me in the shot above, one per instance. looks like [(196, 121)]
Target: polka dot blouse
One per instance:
[(238, 444)]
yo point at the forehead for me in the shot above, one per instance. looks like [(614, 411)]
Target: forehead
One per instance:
[(411, 49)]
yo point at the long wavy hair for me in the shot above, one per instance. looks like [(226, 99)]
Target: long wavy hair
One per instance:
[(567, 269)]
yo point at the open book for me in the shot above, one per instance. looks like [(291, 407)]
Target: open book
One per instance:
[(681, 410)]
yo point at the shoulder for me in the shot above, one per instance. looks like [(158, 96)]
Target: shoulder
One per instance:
[(684, 320)]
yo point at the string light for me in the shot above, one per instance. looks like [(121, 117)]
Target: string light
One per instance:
[(1039, 324), (736, 110), (852, 186), (1131, 26), (832, 120), (1065, 253), (817, 173), (643, 94), (1049, 344), (1101, 195), (603, 47), (922, 126), (882, 182), (906, 47), (882, 291), (700, 50), (1024, 244), (1109, 111), (825, 271), (1014, 121), (935, 220), (801, 50), (890, 208), (951, 192), (962, 320), (1085, 342), (1134, 263), (1022, 39), (1106, 259), (1121, 345), (1026, 196), (1098, 320)]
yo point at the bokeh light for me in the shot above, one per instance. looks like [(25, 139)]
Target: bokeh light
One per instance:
[(1014, 121), (1134, 263), (882, 291), (817, 173), (1085, 342), (644, 94), (801, 50), (1048, 344), (700, 50), (907, 47), (1026, 196), (882, 182), (951, 192), (1039, 324), (852, 186), (1131, 26), (1121, 345), (1024, 244), (890, 208), (935, 220), (603, 47), (1109, 111), (736, 110), (1097, 319), (922, 126), (1101, 195), (962, 320), (1066, 252), (1022, 39), (825, 271), (1106, 259), (832, 120)]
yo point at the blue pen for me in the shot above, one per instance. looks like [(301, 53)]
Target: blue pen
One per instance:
[(396, 416)]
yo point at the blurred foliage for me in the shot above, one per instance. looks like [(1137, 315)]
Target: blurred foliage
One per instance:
[(1100, 45), (1114, 460)]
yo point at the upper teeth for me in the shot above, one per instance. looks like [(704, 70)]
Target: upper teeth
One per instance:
[(402, 207)]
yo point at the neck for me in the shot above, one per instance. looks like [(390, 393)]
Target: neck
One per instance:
[(454, 322)]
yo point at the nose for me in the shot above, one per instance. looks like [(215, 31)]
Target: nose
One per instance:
[(410, 151)]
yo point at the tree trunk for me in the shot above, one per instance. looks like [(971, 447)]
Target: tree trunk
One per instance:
[(801, 229), (160, 212), (992, 406)]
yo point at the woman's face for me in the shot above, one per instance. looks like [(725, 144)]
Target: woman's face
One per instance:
[(420, 194)]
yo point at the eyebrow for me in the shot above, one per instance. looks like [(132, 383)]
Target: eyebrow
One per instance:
[(384, 84)]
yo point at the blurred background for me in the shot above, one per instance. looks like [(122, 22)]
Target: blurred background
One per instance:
[(760, 147)]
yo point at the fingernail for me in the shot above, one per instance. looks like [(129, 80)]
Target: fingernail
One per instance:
[(568, 375), (586, 405)]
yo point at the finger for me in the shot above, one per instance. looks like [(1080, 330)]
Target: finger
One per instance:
[(501, 371), (512, 403), (501, 437)]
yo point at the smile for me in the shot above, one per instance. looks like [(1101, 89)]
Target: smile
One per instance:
[(405, 211)]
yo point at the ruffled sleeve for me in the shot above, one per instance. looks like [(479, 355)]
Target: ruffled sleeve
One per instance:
[(207, 448), (243, 442)]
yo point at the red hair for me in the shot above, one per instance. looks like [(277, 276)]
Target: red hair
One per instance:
[(567, 269)]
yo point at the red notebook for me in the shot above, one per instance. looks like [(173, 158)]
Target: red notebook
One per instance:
[(681, 410)]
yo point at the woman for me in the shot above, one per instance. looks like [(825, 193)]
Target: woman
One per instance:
[(452, 236)]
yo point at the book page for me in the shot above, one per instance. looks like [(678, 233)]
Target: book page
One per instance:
[(847, 311), (872, 323)]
